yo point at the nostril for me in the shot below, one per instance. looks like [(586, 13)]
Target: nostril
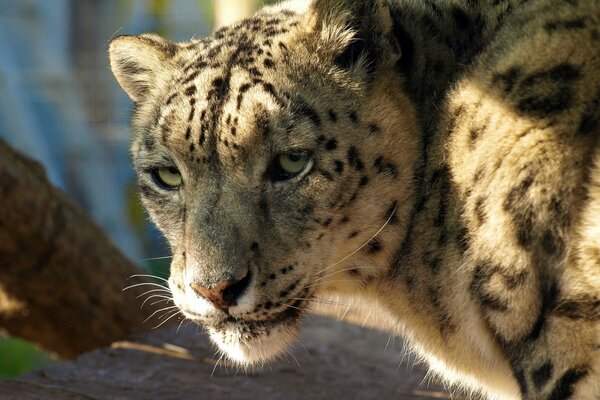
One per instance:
[(233, 292), (224, 294)]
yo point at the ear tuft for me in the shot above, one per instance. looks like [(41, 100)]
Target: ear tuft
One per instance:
[(139, 62)]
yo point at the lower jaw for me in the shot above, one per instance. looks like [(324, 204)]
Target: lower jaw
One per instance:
[(253, 342)]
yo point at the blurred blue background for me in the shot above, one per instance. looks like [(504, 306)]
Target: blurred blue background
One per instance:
[(60, 104)]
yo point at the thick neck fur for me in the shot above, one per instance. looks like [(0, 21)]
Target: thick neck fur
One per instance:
[(439, 40)]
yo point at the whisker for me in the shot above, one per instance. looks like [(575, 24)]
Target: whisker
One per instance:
[(325, 283), (184, 319), (348, 269), (142, 284), (291, 353), (165, 291), (291, 306), (153, 296), (364, 244), (164, 299), (165, 321), (157, 311), (148, 276), (216, 364), (156, 258), (321, 301)]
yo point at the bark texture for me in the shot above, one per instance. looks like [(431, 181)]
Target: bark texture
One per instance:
[(336, 361), (61, 278)]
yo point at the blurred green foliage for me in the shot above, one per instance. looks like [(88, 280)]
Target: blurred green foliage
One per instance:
[(20, 356)]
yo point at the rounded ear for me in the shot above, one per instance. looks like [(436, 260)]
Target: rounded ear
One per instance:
[(358, 32), (139, 62)]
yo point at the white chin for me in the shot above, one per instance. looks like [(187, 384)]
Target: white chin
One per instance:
[(250, 349)]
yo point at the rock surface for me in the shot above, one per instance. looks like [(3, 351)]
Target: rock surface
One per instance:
[(333, 360)]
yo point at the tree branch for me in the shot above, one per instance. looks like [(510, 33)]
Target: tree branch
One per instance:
[(61, 278)]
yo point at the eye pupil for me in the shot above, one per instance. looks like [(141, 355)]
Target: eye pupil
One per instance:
[(295, 156)]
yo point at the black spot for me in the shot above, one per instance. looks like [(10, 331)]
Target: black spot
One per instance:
[(254, 247), (590, 117), (479, 210), (331, 144), (483, 274), (192, 147), (549, 297), (508, 79), (385, 167), (269, 63), (353, 271), (462, 239), (552, 26), (338, 166), (307, 209), (171, 98), (373, 246), (352, 234), (520, 377), (374, 129), (353, 117), (149, 142), (523, 216), (190, 78), (332, 116), (326, 175), (327, 222), (354, 159), (320, 139), (344, 220), (363, 181), (566, 384), (190, 90), (302, 108), (544, 106), (433, 261), (583, 307), (540, 375)]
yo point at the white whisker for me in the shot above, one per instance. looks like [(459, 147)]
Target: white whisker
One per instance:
[(153, 296), (148, 276), (156, 258), (216, 364), (364, 244), (142, 284), (152, 291), (157, 311), (348, 269), (165, 321), (164, 299)]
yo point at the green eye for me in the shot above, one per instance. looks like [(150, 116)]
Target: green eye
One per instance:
[(167, 177), (288, 165)]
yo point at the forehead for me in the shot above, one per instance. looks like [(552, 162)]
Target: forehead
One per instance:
[(228, 86)]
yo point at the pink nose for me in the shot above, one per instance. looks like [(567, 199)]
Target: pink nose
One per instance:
[(224, 294)]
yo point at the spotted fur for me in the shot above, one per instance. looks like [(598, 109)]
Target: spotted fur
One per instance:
[(455, 182)]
